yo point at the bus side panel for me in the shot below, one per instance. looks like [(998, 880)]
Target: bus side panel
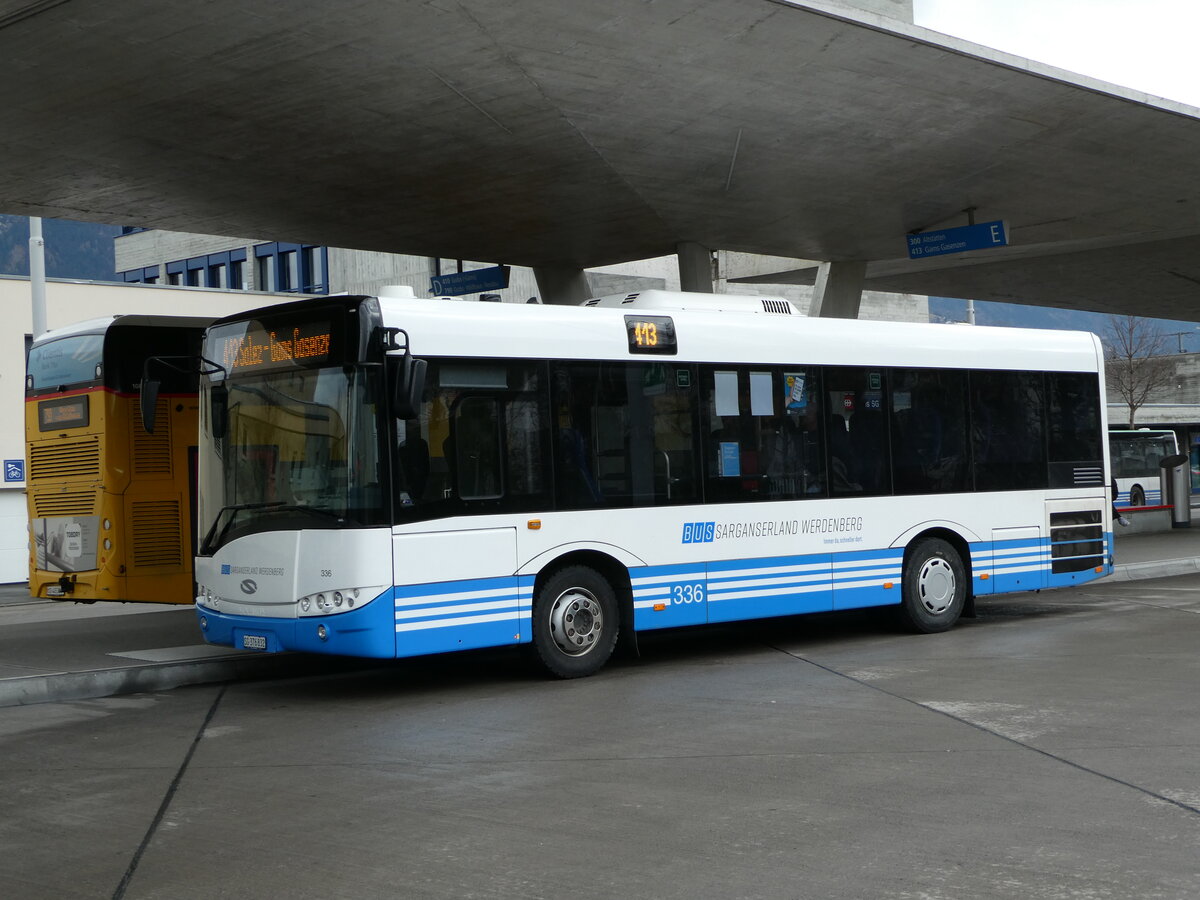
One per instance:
[(461, 615), (1018, 560), (776, 586), (668, 596), (867, 578), (983, 581), (448, 596)]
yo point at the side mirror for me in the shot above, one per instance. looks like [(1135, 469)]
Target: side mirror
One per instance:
[(410, 386), (218, 408), (148, 402)]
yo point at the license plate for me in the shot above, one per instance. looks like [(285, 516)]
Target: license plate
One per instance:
[(54, 591), (254, 642)]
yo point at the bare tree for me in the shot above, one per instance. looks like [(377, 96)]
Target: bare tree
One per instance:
[(1135, 365)]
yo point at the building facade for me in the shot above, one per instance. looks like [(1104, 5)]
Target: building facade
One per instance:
[(195, 260)]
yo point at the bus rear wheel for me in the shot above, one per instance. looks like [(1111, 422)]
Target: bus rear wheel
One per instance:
[(1137, 496), (934, 587), (575, 622)]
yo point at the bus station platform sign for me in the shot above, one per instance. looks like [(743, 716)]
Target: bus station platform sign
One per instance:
[(957, 240), (454, 284)]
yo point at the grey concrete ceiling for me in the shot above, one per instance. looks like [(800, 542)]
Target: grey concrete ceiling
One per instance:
[(543, 132)]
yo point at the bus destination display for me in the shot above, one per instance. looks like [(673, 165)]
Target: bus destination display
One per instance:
[(66, 412), (651, 334), (261, 348)]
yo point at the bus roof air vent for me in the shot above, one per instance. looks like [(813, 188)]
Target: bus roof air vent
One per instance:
[(737, 303)]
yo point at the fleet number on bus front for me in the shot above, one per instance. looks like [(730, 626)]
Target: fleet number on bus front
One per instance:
[(650, 334)]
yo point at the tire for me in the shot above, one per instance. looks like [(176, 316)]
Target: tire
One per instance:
[(575, 622), (934, 587), (1137, 496)]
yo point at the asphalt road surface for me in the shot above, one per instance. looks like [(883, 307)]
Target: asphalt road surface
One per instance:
[(1049, 748)]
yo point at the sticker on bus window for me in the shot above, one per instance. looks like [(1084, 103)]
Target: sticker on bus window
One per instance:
[(797, 399), (731, 459)]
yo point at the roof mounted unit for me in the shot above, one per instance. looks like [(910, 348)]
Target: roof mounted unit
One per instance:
[(744, 303)]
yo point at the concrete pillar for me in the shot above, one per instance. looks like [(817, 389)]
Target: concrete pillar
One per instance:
[(838, 291), (562, 285), (695, 267)]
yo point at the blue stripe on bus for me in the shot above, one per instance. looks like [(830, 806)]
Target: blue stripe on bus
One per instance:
[(412, 620), (461, 615), (360, 632), (1154, 497)]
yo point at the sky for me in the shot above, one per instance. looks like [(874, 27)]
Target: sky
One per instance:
[(1148, 45)]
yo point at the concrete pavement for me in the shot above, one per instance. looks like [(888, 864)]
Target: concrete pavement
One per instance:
[(52, 650)]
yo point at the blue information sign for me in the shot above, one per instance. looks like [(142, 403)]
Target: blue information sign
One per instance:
[(14, 470), (456, 283), (957, 240)]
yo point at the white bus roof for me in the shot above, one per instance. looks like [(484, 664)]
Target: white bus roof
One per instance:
[(102, 324), (509, 330)]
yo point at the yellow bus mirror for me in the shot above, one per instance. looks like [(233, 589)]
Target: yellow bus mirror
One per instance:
[(148, 401)]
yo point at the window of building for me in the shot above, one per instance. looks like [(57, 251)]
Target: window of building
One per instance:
[(147, 275)]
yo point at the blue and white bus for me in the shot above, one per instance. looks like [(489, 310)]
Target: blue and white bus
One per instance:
[(1135, 455), (388, 477)]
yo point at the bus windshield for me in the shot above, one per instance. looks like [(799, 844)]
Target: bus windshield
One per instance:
[(68, 361), (300, 449)]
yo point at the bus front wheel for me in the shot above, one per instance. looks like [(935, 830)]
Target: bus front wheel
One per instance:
[(934, 587), (575, 622), (1137, 496)]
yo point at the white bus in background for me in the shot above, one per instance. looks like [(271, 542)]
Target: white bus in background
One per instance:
[(1135, 456), (390, 477)]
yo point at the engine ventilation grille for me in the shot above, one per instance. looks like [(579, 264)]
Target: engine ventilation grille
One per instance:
[(777, 307), (74, 503), (1076, 541), (152, 452), (157, 533), (78, 459)]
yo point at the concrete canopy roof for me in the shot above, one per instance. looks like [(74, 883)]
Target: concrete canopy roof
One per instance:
[(547, 133)]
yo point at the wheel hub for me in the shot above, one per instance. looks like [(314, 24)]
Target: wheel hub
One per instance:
[(576, 621), (936, 585)]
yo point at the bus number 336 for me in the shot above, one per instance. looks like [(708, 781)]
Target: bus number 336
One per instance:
[(687, 593)]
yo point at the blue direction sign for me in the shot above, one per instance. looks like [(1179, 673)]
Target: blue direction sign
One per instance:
[(475, 281), (957, 240)]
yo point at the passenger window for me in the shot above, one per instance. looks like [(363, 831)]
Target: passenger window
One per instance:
[(475, 433), (929, 431), (763, 434), (1073, 418), (480, 438), (1008, 431), (859, 460), (625, 434)]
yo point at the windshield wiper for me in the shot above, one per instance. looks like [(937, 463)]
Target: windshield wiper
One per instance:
[(317, 510), (215, 538)]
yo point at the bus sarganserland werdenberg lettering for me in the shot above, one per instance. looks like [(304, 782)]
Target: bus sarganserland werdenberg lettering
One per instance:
[(393, 477), (111, 504)]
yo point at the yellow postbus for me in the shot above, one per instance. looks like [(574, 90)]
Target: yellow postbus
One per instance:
[(111, 506)]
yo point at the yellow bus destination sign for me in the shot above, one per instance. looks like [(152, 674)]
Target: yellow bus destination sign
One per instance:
[(260, 348), (651, 334), (66, 412)]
